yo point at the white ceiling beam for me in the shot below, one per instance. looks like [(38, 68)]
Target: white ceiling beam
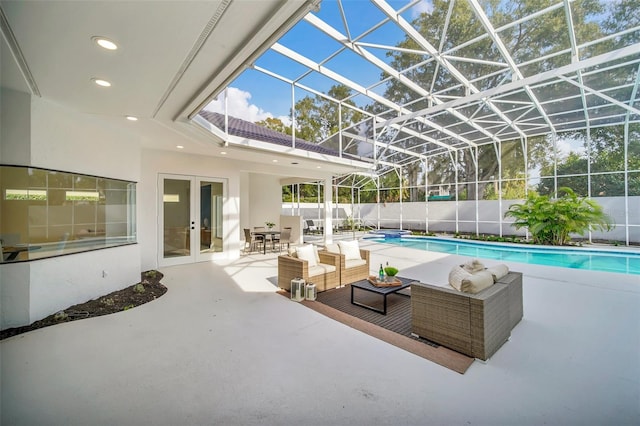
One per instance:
[(310, 64), (371, 58), (497, 41), (519, 84), (601, 95)]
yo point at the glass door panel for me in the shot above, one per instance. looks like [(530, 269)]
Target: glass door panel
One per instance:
[(211, 202), (176, 220)]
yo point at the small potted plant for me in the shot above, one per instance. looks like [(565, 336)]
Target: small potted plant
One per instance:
[(270, 225), (390, 272)]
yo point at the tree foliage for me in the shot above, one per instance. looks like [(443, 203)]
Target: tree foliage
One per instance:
[(604, 155), (275, 124), (318, 118)]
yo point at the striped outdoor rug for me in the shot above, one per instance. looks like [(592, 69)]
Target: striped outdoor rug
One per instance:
[(393, 328)]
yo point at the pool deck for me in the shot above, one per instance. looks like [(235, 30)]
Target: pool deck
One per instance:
[(221, 347)]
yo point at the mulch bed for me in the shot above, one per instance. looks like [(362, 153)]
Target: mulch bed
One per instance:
[(148, 289)]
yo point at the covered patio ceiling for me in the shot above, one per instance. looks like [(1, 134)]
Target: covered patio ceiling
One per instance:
[(426, 78)]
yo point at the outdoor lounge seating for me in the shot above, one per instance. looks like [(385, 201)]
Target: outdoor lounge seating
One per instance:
[(323, 270), (310, 227), (473, 324), (352, 268)]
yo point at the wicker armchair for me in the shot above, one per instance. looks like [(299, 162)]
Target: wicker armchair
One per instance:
[(473, 324), (325, 276), (354, 270)]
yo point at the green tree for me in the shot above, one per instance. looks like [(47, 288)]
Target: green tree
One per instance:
[(275, 124), (606, 151), (318, 119), (552, 221)]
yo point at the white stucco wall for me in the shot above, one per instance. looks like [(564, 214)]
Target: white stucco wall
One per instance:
[(15, 127), (265, 194), (62, 139), (59, 282), (66, 140), (154, 163)]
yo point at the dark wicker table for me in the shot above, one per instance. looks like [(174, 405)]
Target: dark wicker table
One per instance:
[(383, 291)]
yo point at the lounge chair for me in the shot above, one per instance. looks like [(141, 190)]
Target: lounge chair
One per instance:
[(310, 227)]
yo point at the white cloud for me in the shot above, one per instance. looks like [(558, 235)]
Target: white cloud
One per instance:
[(239, 106), (567, 146), (425, 6)]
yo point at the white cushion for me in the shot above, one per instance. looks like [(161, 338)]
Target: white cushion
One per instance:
[(352, 263), (307, 252), (321, 269), (498, 271), (466, 282), (350, 249), (333, 248)]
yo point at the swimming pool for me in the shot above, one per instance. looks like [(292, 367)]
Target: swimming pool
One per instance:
[(578, 258)]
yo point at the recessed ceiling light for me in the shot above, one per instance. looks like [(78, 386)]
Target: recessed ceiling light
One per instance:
[(101, 82), (275, 161), (105, 43), (318, 167), (223, 152), (132, 118), (179, 146)]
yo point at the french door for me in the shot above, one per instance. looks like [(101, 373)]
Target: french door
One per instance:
[(191, 219)]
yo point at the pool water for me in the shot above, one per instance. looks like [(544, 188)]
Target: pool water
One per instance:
[(625, 262)]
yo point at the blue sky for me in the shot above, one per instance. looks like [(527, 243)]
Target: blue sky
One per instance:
[(254, 96)]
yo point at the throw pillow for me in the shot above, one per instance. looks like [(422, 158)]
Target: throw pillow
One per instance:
[(315, 252), (473, 266), (350, 249), (466, 282), (498, 271), (308, 253), (333, 248)]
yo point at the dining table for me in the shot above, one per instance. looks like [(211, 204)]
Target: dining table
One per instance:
[(272, 233)]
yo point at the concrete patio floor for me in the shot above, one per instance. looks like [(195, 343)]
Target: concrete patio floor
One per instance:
[(221, 347)]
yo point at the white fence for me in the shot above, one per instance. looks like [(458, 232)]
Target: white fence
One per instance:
[(482, 217)]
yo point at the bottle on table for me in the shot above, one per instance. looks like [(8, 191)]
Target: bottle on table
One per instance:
[(381, 273)]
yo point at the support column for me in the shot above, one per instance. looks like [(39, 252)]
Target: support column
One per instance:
[(328, 210)]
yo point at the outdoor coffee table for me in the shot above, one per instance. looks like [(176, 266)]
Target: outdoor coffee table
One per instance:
[(383, 291)]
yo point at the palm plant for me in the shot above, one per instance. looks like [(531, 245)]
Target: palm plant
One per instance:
[(551, 222)]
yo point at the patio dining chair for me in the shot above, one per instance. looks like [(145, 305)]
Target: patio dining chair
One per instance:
[(283, 238), (251, 242)]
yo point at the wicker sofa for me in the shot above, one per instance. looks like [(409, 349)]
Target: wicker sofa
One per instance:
[(473, 324), (326, 275)]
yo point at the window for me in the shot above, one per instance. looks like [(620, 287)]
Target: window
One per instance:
[(46, 213)]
